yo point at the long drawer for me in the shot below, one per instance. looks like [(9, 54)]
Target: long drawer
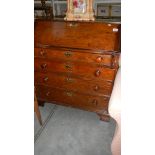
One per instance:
[(71, 98), (82, 69), (74, 55), (76, 84)]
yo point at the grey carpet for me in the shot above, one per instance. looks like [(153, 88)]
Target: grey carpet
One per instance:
[(46, 113), (69, 131)]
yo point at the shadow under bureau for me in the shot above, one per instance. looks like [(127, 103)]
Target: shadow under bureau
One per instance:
[(75, 63)]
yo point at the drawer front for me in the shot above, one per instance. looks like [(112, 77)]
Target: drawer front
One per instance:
[(71, 98), (76, 55), (85, 70), (76, 84)]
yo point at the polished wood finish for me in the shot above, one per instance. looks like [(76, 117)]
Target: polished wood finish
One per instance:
[(83, 35), (74, 55), (73, 83), (76, 63), (90, 71), (71, 98)]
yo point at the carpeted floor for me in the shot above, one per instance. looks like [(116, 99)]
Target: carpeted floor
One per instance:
[(69, 131)]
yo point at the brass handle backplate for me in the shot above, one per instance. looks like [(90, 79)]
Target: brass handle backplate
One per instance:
[(68, 53), (70, 94), (69, 80)]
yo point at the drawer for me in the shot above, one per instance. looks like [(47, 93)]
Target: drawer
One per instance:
[(72, 83), (85, 70), (74, 55), (71, 98)]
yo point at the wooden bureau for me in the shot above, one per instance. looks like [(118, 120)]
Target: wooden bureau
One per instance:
[(75, 63)]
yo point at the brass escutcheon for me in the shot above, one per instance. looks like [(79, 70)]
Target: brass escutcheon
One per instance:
[(73, 24), (69, 80), (70, 94), (68, 66)]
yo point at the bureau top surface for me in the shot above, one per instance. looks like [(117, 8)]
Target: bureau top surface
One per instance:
[(84, 35)]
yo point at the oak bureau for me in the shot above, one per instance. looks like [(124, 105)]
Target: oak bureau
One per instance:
[(75, 63)]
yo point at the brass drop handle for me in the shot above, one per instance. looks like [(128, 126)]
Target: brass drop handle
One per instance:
[(48, 93), (95, 102), (70, 94), (46, 79), (68, 53), (99, 59), (96, 87), (42, 53), (44, 66), (97, 73)]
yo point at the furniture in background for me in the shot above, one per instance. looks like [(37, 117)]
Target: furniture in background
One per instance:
[(75, 63), (43, 9), (36, 109), (115, 113), (59, 8), (105, 10)]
